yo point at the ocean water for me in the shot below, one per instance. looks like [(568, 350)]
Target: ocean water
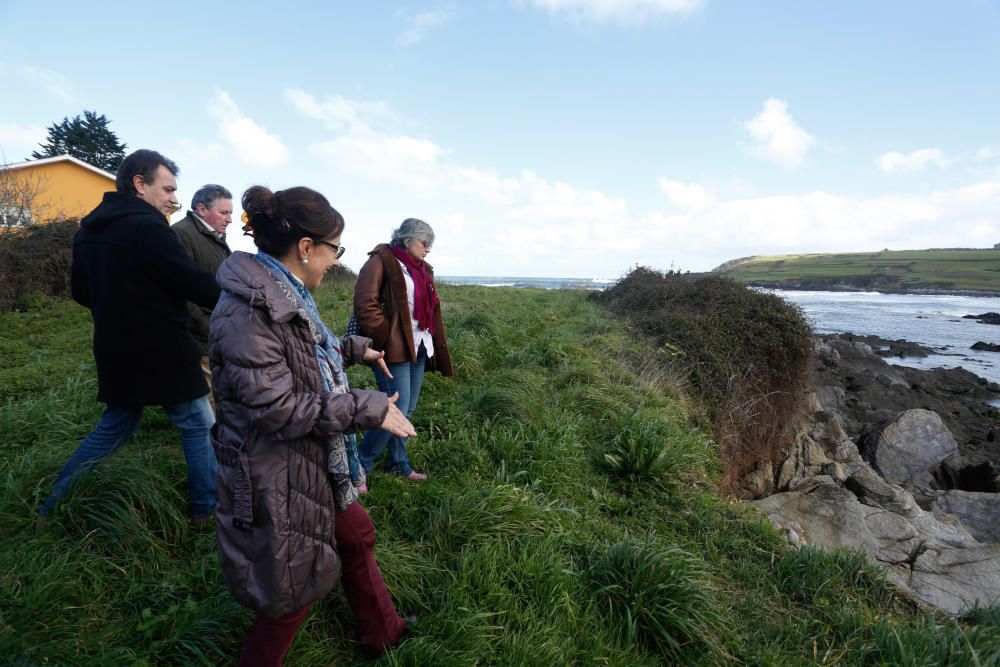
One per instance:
[(934, 321), (931, 320), (544, 283)]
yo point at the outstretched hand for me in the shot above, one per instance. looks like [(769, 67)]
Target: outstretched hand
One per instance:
[(395, 421), (373, 357)]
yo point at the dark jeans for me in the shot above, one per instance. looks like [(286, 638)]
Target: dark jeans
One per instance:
[(117, 425), (407, 379), (379, 625)]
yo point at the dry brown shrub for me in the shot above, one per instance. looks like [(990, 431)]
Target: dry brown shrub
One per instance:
[(746, 354)]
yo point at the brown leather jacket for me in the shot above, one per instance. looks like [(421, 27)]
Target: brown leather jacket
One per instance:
[(275, 513), (384, 314)]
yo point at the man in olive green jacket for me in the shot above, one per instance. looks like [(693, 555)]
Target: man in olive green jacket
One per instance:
[(202, 232)]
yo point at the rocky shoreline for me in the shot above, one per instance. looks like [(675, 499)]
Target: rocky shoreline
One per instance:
[(864, 286), (900, 463)]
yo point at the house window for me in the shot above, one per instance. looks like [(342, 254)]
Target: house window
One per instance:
[(15, 216)]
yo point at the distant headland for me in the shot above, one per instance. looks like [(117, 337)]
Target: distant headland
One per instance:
[(963, 271)]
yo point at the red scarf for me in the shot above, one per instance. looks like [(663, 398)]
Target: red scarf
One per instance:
[(425, 298)]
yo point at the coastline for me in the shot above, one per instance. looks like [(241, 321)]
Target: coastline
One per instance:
[(840, 287)]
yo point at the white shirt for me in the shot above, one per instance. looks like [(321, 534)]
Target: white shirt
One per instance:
[(419, 335), (208, 227)]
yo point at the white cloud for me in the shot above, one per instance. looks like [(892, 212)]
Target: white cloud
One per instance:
[(251, 143), (193, 151), (988, 153), (687, 196), (628, 12), (420, 25), (534, 225), (399, 160), (339, 113), (421, 165), (48, 80), (778, 138), (825, 222), (18, 141), (915, 161)]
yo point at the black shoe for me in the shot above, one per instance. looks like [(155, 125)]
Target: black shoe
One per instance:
[(410, 620), (376, 652)]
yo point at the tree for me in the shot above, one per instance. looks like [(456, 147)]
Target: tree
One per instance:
[(88, 138)]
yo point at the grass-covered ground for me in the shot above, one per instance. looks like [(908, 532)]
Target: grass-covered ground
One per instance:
[(976, 270), (571, 518)]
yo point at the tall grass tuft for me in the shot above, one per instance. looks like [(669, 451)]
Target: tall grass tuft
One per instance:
[(512, 394), (812, 574), (643, 446), (124, 504), (498, 511), (660, 598), (482, 324)]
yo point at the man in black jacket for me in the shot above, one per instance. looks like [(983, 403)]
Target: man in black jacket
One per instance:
[(133, 274), (202, 232)]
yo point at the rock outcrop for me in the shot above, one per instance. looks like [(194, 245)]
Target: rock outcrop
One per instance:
[(984, 318), (876, 468), (978, 512), (909, 449)]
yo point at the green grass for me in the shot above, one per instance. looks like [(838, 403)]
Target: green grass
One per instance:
[(903, 270), (571, 517)]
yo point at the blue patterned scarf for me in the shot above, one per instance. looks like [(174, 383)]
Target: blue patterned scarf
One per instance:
[(329, 356)]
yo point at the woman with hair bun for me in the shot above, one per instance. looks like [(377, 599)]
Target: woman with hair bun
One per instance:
[(288, 520), (397, 306)]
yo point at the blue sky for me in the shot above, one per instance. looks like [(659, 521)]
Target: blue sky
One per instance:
[(568, 138)]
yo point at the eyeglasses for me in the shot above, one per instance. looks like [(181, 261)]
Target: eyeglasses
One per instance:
[(339, 249)]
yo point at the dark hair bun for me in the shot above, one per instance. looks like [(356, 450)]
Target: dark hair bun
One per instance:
[(280, 219), (258, 203)]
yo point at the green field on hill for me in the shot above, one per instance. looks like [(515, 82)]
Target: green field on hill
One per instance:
[(572, 517), (946, 270)]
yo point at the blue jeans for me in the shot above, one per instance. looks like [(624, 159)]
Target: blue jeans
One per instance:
[(407, 378), (117, 425)]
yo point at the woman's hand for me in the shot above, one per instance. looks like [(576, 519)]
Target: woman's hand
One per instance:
[(372, 357), (395, 422)]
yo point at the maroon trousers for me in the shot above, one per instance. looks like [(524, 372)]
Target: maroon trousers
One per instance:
[(379, 626)]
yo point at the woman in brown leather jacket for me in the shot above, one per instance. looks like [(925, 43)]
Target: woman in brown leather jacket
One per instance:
[(288, 521), (397, 306)]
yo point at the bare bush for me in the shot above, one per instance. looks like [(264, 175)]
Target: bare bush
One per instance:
[(745, 353), (754, 426), (36, 259)]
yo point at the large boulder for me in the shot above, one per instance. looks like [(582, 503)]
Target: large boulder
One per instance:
[(934, 561), (978, 512), (909, 448), (820, 448)]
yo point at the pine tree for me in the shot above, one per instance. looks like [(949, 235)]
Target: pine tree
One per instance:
[(87, 138)]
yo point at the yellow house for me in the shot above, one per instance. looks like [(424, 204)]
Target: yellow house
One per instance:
[(51, 188)]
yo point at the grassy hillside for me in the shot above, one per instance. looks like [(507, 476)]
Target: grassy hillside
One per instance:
[(905, 270), (571, 518)]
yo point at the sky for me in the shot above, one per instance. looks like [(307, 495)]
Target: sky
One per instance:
[(549, 138)]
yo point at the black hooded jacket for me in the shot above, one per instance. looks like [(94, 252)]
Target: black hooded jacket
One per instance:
[(134, 275)]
